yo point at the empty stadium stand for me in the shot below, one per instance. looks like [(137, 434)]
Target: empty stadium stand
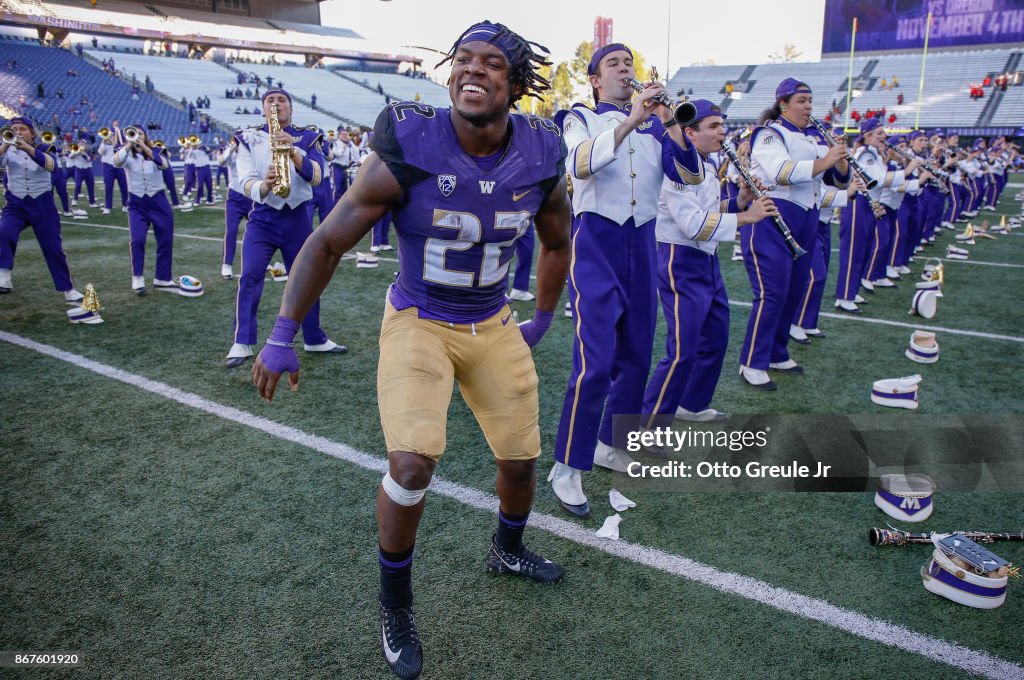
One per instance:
[(945, 99), (108, 95)]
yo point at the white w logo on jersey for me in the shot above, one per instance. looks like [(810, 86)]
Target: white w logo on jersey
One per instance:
[(910, 504), (486, 186)]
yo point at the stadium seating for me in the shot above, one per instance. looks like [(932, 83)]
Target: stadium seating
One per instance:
[(403, 87), (108, 95), (945, 98), (192, 78)]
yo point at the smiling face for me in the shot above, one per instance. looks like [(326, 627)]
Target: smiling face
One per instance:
[(284, 107), (479, 83), (875, 138), (612, 70)]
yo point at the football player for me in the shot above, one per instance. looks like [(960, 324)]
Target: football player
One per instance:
[(463, 185)]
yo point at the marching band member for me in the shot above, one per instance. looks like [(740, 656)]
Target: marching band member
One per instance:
[(692, 220), (344, 155), (80, 159), (189, 173), (944, 156), (236, 208), (829, 198), (29, 203), (59, 179), (111, 173), (170, 182), (859, 232), (147, 207), (784, 155), (323, 194), (890, 232), (222, 170), (619, 152), (275, 223), (200, 157), (912, 212)]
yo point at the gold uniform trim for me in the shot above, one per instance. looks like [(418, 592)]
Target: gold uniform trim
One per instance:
[(583, 154), (890, 177), (785, 172), (828, 200), (710, 225), (248, 186), (687, 176), (48, 163)]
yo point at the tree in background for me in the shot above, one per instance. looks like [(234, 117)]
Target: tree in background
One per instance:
[(788, 55)]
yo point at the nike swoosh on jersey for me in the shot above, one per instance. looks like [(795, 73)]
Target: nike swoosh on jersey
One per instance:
[(516, 197), (391, 656), (504, 321)]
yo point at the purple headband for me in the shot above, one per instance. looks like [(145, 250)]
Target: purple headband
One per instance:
[(490, 33), (604, 52), (276, 90), (22, 120)]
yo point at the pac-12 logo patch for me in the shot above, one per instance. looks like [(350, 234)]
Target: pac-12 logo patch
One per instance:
[(446, 183)]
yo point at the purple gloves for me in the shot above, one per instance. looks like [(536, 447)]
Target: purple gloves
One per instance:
[(278, 354), (534, 329)]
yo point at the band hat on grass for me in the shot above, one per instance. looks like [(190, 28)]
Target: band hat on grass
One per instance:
[(954, 253), (943, 576), (923, 348), (925, 303), (896, 392), (80, 315), (907, 498), (189, 286)]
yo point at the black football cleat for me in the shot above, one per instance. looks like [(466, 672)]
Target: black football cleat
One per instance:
[(525, 563), (400, 642)]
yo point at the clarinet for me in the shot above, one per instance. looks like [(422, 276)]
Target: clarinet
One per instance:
[(890, 536), (854, 165), (780, 224), (940, 178), (683, 111)]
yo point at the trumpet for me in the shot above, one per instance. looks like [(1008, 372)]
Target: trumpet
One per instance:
[(76, 148), (193, 140), (131, 134), (47, 137), (104, 132), (330, 135), (159, 144), (683, 111), (869, 182), (182, 141), (8, 135)]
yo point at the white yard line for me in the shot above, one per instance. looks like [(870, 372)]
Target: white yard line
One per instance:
[(846, 620)]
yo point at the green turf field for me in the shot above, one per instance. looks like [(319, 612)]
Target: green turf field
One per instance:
[(164, 541)]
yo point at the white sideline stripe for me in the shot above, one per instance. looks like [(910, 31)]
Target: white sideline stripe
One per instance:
[(846, 620), (177, 234), (990, 264), (902, 324)]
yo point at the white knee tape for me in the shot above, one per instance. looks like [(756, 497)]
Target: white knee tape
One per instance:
[(400, 495)]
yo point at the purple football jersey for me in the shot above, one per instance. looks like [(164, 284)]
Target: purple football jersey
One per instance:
[(458, 223)]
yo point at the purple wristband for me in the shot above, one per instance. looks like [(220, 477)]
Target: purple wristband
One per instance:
[(534, 329), (284, 331)]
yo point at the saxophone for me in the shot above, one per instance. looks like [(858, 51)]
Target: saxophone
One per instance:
[(280, 156)]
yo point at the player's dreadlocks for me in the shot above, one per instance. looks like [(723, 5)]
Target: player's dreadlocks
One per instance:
[(523, 58)]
